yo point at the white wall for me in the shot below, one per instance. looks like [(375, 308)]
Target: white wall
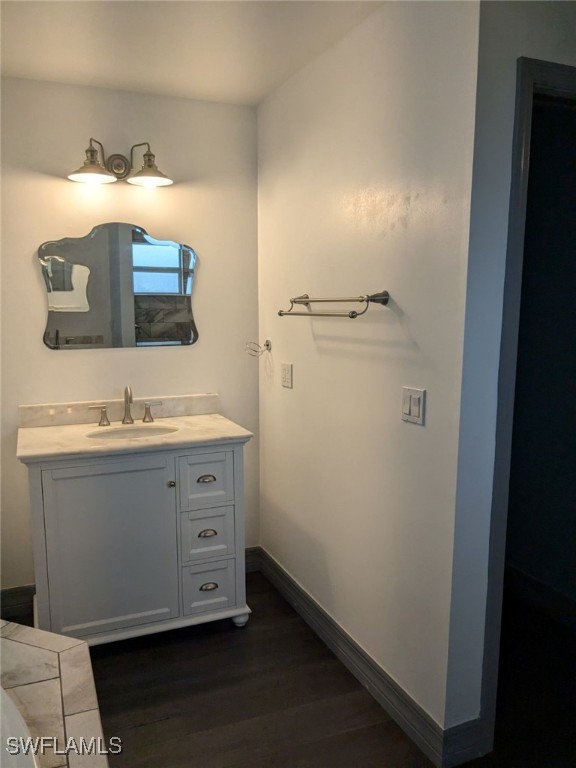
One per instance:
[(508, 30), (364, 184), (210, 150)]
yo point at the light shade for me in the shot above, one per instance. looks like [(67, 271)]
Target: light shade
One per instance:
[(92, 172), (149, 175)]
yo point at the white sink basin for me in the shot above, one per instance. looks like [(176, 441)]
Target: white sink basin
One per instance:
[(132, 431)]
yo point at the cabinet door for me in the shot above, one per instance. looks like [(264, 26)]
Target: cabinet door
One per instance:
[(111, 544)]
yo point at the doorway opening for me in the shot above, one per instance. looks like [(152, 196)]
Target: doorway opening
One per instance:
[(534, 502)]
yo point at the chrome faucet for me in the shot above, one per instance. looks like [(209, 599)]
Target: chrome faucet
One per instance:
[(127, 400)]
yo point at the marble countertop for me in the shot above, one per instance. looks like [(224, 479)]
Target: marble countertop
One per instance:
[(49, 679), (71, 440)]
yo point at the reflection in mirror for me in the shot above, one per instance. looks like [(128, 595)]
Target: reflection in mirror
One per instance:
[(118, 287), (66, 284)]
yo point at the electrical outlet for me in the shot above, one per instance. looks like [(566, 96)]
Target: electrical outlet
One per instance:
[(286, 375)]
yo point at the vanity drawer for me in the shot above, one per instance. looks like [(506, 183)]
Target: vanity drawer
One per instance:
[(208, 533), (206, 480), (209, 587)]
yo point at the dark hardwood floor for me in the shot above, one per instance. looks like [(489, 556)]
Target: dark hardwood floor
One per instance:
[(272, 695)]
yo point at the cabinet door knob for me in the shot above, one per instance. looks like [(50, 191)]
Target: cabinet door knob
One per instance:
[(206, 479), (209, 586), (207, 533), (171, 483)]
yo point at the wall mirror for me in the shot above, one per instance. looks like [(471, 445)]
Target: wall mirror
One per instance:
[(118, 287)]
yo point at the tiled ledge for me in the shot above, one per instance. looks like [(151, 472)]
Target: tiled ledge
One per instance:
[(60, 414), (49, 679)]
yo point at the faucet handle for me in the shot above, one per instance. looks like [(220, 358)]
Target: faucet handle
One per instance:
[(148, 418), (104, 420)]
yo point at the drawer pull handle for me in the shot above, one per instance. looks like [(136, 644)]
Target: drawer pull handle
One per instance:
[(209, 586), (207, 533), (206, 479)]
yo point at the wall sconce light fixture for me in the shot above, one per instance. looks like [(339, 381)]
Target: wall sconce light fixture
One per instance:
[(118, 167)]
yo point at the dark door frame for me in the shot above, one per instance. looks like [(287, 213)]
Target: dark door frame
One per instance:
[(533, 77)]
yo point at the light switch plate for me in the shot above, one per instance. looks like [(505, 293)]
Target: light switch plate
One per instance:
[(413, 402), (286, 375)]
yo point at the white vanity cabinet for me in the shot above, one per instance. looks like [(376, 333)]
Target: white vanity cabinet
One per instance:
[(137, 542)]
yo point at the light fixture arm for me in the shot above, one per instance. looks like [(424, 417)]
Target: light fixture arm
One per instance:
[(142, 144), (92, 154)]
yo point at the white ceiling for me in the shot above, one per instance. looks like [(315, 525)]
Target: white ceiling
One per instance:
[(233, 51)]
